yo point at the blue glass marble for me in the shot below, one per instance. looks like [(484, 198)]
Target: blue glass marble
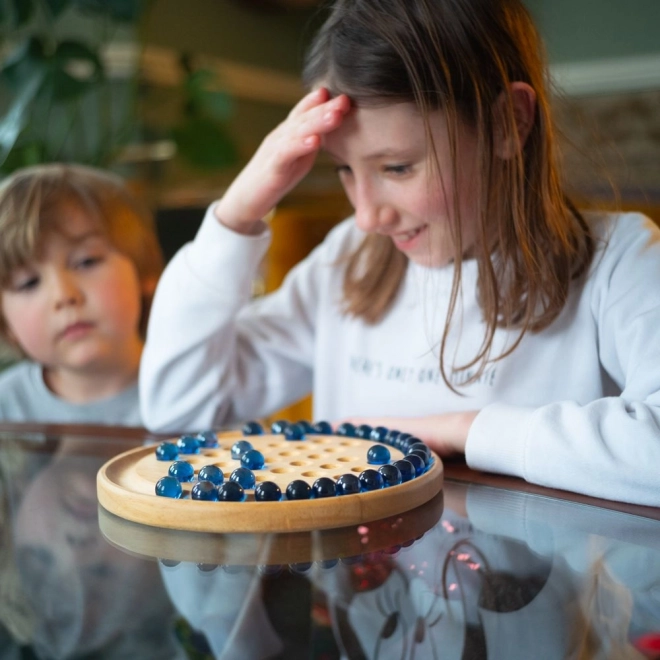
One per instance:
[(323, 428), (239, 448), (378, 455), (188, 444), (253, 428), (244, 477), (348, 484), (209, 439), (379, 434), (363, 431), (267, 491), (294, 432), (269, 570), (230, 491), (306, 426), (327, 563), (204, 490), (279, 426), (169, 563), (391, 437), (420, 446), (370, 480), (406, 468), (298, 489), (417, 462), (182, 471), (253, 460), (167, 451), (323, 487), (301, 567), (169, 487), (211, 473), (422, 455), (391, 475), (346, 429), (206, 568)]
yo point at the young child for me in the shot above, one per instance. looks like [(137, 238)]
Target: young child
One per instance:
[(79, 260), (468, 301)]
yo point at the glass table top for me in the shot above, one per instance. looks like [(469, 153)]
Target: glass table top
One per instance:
[(480, 571)]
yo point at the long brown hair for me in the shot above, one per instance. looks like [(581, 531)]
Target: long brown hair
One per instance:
[(461, 56)]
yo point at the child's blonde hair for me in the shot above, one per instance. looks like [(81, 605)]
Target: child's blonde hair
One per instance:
[(35, 200)]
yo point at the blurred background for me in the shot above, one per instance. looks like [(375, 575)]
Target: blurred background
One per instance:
[(176, 97)]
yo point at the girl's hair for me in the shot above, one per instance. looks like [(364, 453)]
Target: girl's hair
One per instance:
[(36, 200), (461, 57)]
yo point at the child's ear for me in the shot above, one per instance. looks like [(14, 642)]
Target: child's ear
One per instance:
[(148, 286), (523, 99)]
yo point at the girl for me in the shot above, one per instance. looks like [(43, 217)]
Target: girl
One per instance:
[(79, 259), (467, 302)]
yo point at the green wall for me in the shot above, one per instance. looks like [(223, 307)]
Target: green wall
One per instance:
[(578, 30)]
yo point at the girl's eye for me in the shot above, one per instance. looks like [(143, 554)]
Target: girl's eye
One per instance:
[(398, 169)]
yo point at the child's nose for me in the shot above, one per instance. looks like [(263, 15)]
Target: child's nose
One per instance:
[(66, 291), (372, 213)]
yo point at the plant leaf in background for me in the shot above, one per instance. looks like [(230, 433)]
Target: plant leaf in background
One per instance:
[(201, 137)]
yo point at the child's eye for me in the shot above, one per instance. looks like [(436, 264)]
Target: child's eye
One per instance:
[(24, 284), (398, 169), (88, 262)]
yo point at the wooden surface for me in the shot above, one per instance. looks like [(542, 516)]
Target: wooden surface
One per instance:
[(253, 549), (125, 487)]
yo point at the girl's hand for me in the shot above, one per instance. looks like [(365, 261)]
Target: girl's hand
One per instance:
[(284, 158), (444, 434)]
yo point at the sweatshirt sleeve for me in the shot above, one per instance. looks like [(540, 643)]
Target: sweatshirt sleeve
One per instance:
[(213, 356), (609, 447)]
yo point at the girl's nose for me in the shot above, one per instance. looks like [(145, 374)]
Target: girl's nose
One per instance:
[(372, 213)]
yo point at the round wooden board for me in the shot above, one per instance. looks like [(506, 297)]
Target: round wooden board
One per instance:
[(249, 549), (125, 487)]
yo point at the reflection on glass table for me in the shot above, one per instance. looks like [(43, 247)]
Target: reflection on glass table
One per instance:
[(480, 571)]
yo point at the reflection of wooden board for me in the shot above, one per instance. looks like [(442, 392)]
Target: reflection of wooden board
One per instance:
[(251, 549), (125, 487)]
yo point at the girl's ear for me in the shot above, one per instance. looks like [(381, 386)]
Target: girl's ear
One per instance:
[(523, 100)]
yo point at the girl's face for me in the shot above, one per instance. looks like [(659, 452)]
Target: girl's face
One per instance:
[(76, 307), (386, 167)]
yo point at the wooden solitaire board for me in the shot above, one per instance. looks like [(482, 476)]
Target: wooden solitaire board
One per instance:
[(125, 487)]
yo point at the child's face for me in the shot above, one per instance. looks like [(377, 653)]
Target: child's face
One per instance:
[(385, 167), (76, 307)]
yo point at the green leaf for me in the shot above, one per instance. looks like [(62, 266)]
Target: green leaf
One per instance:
[(23, 11), (204, 143), (74, 70), (56, 7), (23, 62), (119, 10), (16, 118)]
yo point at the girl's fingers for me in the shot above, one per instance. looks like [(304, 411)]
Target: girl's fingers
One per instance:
[(310, 100)]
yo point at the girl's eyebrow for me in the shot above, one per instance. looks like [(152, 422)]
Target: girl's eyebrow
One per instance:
[(377, 155)]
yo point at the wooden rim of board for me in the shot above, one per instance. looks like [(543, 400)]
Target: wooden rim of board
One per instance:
[(116, 493), (248, 549)]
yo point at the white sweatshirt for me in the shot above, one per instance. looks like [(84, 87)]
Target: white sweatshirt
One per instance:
[(576, 406)]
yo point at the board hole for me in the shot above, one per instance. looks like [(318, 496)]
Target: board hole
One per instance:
[(357, 469), (314, 457), (346, 459), (329, 466), (299, 463), (289, 453), (281, 470), (312, 473), (350, 443), (330, 450)]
